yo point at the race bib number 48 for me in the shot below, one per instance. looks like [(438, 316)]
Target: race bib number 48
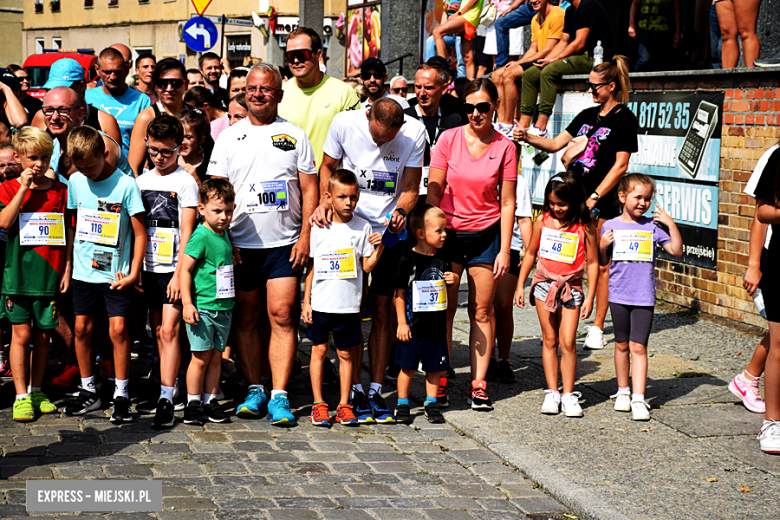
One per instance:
[(429, 296), (632, 246), (335, 265), (270, 196), (558, 245), (41, 229), (377, 182), (97, 227)]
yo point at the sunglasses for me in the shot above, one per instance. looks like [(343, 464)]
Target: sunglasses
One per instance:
[(398, 90), (298, 54), (594, 86), (372, 74), (153, 152), (482, 108), (163, 83)]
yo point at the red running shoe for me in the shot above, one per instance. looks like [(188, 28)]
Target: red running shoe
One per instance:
[(65, 379)]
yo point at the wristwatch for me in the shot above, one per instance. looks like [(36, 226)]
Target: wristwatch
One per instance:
[(595, 196), (401, 211)]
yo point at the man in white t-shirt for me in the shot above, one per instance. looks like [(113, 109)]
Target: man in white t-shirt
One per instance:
[(270, 163), (385, 149)]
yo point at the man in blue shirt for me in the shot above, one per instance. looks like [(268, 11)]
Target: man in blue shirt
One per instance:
[(115, 97)]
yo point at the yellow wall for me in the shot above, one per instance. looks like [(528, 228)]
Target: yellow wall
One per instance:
[(11, 50)]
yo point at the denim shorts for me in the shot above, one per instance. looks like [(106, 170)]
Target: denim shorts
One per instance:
[(211, 331), (472, 248)]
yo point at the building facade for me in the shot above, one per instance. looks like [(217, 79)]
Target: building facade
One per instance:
[(11, 46)]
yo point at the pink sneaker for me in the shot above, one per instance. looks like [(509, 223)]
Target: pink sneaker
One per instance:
[(748, 392)]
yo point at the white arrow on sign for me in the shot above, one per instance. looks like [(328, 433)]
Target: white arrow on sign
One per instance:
[(197, 30)]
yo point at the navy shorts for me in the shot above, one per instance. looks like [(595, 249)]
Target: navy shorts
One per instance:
[(472, 248), (514, 262), (89, 298), (384, 273), (345, 328), (155, 286), (432, 352), (260, 265)]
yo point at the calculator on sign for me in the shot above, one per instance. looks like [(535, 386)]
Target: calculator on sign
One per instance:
[(696, 139)]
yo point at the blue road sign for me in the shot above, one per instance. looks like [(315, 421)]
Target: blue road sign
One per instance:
[(200, 34)]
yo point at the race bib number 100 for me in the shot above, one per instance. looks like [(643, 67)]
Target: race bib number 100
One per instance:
[(271, 196), (633, 246), (98, 227), (558, 245), (377, 182), (335, 265), (429, 296), (41, 229)]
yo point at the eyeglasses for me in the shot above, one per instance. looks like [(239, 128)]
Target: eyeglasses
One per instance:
[(372, 74), (594, 86), (175, 83), (482, 108), (298, 54), (23, 79), (261, 91), (62, 111), (398, 90), (154, 152)]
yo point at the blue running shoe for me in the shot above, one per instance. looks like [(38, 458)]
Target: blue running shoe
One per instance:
[(379, 410), (255, 404), (279, 411), (362, 408)]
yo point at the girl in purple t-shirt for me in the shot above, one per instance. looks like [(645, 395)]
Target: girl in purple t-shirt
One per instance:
[(630, 241)]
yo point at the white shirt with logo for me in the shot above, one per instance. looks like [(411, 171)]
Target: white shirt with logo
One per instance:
[(262, 163), (350, 141)]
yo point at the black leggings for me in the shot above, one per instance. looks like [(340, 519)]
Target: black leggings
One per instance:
[(631, 322)]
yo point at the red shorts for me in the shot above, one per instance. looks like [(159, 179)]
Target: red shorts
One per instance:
[(470, 32)]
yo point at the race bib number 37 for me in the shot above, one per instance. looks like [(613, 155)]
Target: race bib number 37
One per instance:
[(98, 227), (558, 245), (633, 246), (429, 296), (335, 265), (41, 229), (270, 196), (378, 182)]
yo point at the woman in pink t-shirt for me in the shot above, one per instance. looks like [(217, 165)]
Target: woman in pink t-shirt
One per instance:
[(472, 179)]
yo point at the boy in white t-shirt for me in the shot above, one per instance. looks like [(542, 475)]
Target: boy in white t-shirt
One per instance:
[(334, 288)]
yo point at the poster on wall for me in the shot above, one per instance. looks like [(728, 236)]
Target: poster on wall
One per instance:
[(354, 41), (679, 147), (364, 35)]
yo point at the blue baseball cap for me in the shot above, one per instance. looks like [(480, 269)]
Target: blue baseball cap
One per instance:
[(63, 73)]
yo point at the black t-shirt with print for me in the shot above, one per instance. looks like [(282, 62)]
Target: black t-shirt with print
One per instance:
[(765, 189), (415, 267), (608, 135), (590, 13)]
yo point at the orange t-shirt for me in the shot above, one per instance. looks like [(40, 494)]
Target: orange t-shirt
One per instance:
[(561, 268), (551, 28)]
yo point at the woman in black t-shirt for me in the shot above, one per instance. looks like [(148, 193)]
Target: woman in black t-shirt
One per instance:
[(611, 131)]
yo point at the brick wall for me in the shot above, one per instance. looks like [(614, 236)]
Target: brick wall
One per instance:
[(751, 125)]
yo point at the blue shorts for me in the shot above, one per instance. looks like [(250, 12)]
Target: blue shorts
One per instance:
[(260, 265), (432, 352), (514, 262), (211, 331), (155, 286), (345, 328), (88, 298), (470, 248)]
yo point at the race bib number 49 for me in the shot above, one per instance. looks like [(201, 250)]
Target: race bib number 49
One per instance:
[(378, 182), (335, 265), (429, 296), (41, 229), (633, 246), (97, 227), (558, 245), (268, 196)]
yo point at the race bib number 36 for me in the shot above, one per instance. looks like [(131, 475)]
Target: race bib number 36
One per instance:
[(41, 229), (633, 246), (335, 265), (98, 227), (558, 245), (270, 196), (378, 182), (429, 296)]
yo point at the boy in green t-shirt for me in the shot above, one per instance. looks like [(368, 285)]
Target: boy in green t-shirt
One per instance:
[(207, 293), (37, 265)]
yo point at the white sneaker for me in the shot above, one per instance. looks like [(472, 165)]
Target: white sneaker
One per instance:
[(504, 128), (570, 405), (595, 339), (533, 130), (640, 411), (552, 403), (770, 437), (622, 400)]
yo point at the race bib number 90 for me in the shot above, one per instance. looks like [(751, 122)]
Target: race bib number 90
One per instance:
[(632, 246), (97, 227), (335, 265), (41, 229), (270, 196), (378, 182), (558, 245), (429, 296)]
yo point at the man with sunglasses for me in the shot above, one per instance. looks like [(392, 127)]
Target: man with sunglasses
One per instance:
[(114, 96), (374, 75), (312, 98), (270, 163), (399, 86)]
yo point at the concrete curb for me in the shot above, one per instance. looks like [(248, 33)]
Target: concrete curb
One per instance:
[(583, 502)]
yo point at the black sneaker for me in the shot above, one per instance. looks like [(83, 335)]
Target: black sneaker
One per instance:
[(164, 417), (492, 371), (774, 61), (213, 413), (403, 414), (193, 414), (379, 409), (505, 372), (478, 398), (433, 414), (85, 402), (122, 412), (147, 407), (329, 374), (362, 408)]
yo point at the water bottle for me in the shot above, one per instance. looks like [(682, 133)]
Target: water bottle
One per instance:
[(598, 53), (758, 301)]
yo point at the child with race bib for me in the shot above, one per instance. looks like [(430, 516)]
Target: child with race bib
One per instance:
[(340, 255), (421, 307), (37, 266), (564, 237), (630, 241)]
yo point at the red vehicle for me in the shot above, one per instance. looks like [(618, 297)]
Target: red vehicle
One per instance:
[(37, 66)]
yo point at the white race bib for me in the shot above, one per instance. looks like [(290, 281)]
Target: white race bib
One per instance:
[(377, 182), (632, 246), (424, 180), (429, 296), (98, 227), (160, 246), (558, 245), (225, 285), (265, 197), (335, 265), (41, 229)]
